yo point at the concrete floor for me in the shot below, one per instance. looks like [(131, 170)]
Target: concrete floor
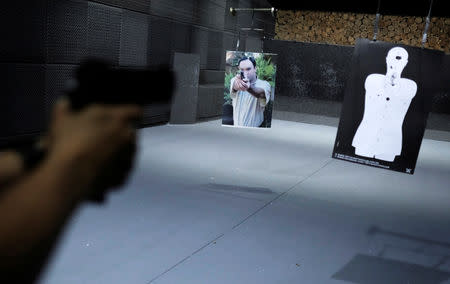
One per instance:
[(212, 204)]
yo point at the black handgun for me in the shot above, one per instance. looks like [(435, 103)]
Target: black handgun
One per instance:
[(242, 75), (98, 82)]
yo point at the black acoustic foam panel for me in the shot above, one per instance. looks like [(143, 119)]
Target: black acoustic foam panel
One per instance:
[(311, 70), (160, 41), (210, 14), (21, 105), (215, 50), (199, 45), (230, 20), (181, 37), (22, 31), (134, 39), (56, 79), (184, 10), (229, 41), (142, 6), (67, 31), (163, 8), (155, 114), (114, 3), (441, 99), (104, 25), (253, 44), (185, 100)]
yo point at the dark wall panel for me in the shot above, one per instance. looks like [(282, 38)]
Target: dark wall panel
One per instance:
[(310, 70), (134, 39), (142, 6), (210, 13), (22, 108), (184, 10), (114, 3), (215, 50), (104, 25), (441, 99), (254, 44), (22, 26), (181, 37), (67, 31), (154, 114), (319, 71), (159, 41), (229, 42), (180, 10), (230, 20), (163, 8), (199, 45), (56, 80), (185, 98), (244, 19)]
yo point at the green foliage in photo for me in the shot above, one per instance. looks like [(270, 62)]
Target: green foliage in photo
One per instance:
[(226, 91), (266, 70)]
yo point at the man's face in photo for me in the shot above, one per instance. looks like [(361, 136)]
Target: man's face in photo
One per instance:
[(249, 70)]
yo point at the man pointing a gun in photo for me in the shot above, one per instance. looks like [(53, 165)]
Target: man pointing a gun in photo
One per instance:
[(249, 94)]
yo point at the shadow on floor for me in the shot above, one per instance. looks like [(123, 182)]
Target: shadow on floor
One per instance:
[(383, 268), (366, 269), (238, 188)]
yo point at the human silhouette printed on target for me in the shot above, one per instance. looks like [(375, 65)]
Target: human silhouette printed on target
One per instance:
[(387, 100)]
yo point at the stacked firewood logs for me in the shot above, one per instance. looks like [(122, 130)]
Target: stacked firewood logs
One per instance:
[(344, 28)]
